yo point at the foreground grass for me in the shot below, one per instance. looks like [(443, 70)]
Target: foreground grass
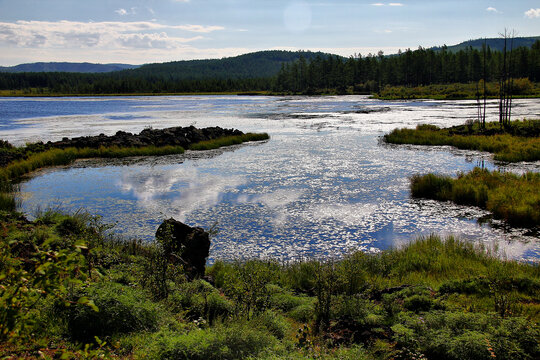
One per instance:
[(511, 197), (520, 141), (63, 283)]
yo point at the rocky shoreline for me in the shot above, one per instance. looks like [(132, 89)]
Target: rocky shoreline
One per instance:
[(174, 136)]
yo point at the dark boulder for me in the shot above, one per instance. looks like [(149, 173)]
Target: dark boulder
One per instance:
[(178, 136), (186, 245)]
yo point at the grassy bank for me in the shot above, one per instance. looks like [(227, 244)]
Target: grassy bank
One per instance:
[(35, 159), (520, 141), (228, 141), (55, 157), (508, 196), (522, 88), (63, 282)]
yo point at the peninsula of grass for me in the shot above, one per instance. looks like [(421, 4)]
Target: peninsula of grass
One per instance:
[(228, 141), (69, 290), (37, 156), (518, 141), (514, 198)]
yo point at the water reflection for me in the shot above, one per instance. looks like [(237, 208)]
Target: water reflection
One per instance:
[(323, 184), (181, 191)]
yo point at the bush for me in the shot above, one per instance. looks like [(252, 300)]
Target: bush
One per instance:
[(200, 300), (275, 323), (418, 303), (122, 309), (234, 341), (302, 313)]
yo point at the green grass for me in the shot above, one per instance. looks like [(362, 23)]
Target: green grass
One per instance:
[(228, 141), (523, 88), (64, 281), (515, 198), (59, 157), (512, 144)]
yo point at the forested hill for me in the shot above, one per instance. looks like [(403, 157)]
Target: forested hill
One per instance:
[(262, 64), (496, 44), (66, 67)]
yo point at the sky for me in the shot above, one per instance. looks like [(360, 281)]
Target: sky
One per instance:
[(150, 31)]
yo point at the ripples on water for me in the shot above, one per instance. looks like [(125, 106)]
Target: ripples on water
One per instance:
[(323, 184)]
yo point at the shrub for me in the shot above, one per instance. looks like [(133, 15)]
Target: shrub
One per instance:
[(234, 341), (200, 300), (287, 301), (274, 322), (122, 309), (418, 303), (302, 313)]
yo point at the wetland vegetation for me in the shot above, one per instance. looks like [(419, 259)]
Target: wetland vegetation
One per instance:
[(513, 142), (69, 289)]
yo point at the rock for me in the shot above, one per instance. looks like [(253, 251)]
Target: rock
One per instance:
[(178, 136), (186, 245)]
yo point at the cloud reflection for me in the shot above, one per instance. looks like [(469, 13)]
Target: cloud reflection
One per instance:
[(276, 201), (178, 192)]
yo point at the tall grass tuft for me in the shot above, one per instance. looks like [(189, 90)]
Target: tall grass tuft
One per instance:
[(228, 141), (58, 157), (7, 202), (514, 198), (517, 142)]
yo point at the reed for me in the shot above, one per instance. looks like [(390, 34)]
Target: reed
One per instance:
[(228, 141), (59, 157), (519, 142), (514, 198)]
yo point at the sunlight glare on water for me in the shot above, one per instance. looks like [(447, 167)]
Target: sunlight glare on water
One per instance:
[(324, 184)]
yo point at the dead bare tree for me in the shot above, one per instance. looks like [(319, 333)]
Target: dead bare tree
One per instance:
[(505, 80)]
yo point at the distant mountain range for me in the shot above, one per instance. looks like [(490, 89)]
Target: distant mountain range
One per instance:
[(66, 67), (262, 64)]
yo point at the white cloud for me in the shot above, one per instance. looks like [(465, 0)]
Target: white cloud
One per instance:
[(389, 4), (124, 12), (533, 13), (71, 34), (492, 9)]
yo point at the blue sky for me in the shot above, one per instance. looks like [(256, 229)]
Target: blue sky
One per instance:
[(136, 32)]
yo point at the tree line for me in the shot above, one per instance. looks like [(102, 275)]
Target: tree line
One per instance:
[(408, 68), (323, 73)]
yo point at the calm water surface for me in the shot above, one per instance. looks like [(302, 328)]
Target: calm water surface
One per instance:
[(323, 185)]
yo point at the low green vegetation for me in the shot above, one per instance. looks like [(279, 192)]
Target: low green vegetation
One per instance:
[(515, 198), (21, 161), (518, 141), (67, 288), (228, 141), (521, 88)]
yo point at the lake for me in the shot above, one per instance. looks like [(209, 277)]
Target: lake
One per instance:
[(323, 185)]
